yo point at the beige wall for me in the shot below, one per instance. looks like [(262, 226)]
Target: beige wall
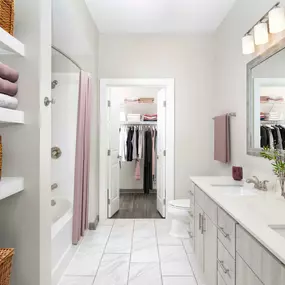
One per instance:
[(188, 59), (230, 82), (75, 33)]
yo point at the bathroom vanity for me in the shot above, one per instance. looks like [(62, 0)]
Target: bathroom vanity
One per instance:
[(237, 232)]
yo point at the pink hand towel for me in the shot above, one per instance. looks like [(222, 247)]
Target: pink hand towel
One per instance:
[(222, 139), (8, 88), (8, 73), (138, 170)]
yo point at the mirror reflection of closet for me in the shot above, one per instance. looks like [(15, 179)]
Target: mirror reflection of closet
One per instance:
[(266, 100)]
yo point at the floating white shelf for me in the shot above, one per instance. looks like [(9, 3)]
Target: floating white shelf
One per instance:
[(8, 116), (10, 186), (9, 44), (139, 123)]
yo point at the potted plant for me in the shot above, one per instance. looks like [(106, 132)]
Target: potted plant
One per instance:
[(277, 158)]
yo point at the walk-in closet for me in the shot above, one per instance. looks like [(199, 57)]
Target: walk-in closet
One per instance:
[(136, 137)]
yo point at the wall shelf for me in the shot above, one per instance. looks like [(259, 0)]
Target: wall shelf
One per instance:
[(8, 116), (140, 123), (10, 186), (9, 44)]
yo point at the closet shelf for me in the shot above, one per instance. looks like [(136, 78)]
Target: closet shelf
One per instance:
[(272, 122), (10, 186), (8, 116), (9, 44), (139, 123)]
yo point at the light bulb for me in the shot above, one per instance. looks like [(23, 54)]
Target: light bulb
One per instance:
[(261, 34), (276, 20), (248, 44)]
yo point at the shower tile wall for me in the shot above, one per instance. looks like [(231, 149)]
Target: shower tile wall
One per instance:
[(64, 124)]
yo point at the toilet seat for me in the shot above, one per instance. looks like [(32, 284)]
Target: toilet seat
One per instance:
[(183, 204)]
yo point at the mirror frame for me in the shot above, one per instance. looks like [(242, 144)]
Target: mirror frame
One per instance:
[(250, 91)]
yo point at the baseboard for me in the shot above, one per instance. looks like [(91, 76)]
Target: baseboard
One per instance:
[(135, 191), (93, 225)]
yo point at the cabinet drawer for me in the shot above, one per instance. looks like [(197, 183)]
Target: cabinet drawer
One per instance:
[(211, 209), (244, 275), (226, 265), (200, 197), (221, 280), (268, 269), (227, 231)]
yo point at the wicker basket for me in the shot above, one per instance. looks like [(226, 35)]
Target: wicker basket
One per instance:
[(7, 13), (6, 255)]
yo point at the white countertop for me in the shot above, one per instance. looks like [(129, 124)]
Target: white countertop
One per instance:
[(254, 213)]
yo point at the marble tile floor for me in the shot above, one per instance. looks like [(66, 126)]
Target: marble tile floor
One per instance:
[(132, 252)]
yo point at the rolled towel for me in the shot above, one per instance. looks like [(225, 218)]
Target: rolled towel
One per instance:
[(8, 88), (8, 102), (8, 73)]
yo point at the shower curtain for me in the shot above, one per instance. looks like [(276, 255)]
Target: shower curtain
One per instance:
[(81, 176)]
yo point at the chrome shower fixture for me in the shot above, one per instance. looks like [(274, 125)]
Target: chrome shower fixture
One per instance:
[(53, 84)]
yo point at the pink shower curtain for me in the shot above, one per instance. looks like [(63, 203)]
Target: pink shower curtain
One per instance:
[(81, 176)]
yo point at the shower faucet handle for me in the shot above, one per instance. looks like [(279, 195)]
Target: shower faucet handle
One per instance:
[(54, 186), (48, 101)]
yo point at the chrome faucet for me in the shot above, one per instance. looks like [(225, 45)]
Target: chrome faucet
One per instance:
[(259, 185)]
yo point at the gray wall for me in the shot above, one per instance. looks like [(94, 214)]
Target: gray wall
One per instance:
[(188, 59), (230, 82)]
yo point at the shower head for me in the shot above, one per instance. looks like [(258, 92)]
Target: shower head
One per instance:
[(53, 84)]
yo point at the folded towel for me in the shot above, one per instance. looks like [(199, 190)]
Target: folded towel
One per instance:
[(8, 73), (8, 102), (8, 87)]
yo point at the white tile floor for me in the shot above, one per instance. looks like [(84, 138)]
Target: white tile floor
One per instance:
[(132, 252)]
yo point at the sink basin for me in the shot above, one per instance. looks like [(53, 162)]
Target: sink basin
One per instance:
[(280, 229), (236, 190), (226, 185)]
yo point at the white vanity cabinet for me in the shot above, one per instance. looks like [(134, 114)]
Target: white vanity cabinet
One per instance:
[(206, 236), (226, 252)]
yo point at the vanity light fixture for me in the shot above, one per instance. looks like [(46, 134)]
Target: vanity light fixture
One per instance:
[(276, 20), (248, 46), (261, 34)]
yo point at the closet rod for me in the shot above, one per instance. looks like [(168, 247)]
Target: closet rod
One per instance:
[(66, 56), (229, 114)]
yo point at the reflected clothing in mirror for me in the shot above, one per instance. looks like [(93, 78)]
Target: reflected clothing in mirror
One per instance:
[(272, 137)]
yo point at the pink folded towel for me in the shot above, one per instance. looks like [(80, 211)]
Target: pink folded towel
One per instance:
[(222, 139), (8, 88), (8, 73)]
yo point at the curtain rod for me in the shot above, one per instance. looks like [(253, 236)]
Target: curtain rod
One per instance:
[(66, 56)]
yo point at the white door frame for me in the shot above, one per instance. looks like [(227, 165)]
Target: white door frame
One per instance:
[(168, 84)]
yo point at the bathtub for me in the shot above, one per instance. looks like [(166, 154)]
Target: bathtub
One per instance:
[(61, 238)]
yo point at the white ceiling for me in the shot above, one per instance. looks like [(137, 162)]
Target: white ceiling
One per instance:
[(158, 16)]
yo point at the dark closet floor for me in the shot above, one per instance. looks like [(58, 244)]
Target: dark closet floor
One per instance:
[(137, 206)]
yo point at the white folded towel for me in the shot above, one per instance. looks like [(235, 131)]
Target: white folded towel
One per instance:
[(8, 102)]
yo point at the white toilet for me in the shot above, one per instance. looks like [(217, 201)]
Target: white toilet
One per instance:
[(179, 213)]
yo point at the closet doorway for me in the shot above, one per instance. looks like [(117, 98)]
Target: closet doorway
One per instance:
[(136, 147)]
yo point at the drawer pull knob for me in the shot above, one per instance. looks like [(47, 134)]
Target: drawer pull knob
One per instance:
[(191, 214), (226, 235), (225, 270)]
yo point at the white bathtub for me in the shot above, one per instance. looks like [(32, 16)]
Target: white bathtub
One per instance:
[(61, 238)]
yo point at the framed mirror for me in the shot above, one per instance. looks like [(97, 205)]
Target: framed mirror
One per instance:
[(266, 100)]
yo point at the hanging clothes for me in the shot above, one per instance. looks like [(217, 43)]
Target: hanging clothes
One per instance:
[(130, 144), (138, 170), (148, 162), (134, 141), (140, 144)]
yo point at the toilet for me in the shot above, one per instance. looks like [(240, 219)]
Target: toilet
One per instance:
[(179, 213)]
